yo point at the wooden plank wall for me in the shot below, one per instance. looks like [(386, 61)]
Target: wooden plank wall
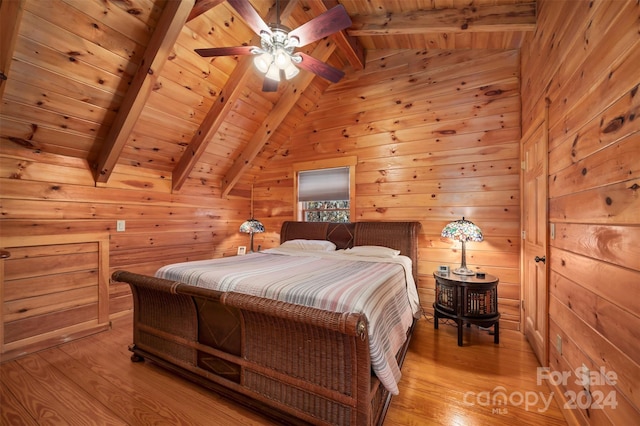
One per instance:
[(47, 194), (436, 134), (584, 59)]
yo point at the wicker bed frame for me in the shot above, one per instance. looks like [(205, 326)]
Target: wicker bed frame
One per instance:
[(293, 363)]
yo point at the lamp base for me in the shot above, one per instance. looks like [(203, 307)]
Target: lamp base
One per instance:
[(463, 271)]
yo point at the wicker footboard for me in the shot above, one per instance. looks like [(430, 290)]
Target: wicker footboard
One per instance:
[(294, 363)]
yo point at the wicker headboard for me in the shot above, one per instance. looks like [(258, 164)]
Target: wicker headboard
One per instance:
[(401, 236)]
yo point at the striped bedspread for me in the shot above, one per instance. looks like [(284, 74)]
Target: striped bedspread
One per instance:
[(381, 288)]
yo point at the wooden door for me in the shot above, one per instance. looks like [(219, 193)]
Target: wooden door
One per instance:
[(535, 289)]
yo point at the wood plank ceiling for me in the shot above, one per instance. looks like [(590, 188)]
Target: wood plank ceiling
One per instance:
[(118, 84)]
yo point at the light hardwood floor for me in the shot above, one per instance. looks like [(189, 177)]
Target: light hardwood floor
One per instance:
[(92, 381)]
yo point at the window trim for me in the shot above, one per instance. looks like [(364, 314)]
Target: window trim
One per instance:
[(330, 163)]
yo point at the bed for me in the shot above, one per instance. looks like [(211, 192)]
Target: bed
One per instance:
[(294, 363)]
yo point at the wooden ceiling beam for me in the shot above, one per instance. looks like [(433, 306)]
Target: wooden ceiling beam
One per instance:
[(164, 37), (201, 7), (348, 45), (268, 127), (490, 18)]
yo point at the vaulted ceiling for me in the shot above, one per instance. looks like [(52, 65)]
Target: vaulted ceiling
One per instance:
[(117, 83)]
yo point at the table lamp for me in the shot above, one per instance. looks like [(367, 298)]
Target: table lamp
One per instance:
[(462, 230), (251, 226)]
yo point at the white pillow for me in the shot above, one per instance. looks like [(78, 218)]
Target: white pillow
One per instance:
[(309, 245), (372, 251)]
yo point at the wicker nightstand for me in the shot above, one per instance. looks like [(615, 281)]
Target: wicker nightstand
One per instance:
[(467, 299)]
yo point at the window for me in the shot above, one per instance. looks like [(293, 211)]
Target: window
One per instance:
[(324, 195), (325, 190)]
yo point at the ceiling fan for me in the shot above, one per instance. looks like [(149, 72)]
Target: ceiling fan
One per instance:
[(276, 56)]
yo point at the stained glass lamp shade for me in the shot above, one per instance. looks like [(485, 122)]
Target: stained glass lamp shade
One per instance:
[(252, 226), (462, 230)]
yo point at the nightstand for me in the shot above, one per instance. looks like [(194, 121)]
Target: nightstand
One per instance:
[(467, 299)]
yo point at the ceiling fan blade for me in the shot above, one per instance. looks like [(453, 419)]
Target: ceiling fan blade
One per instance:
[(318, 67), (225, 51), (269, 85), (331, 21), (250, 16)]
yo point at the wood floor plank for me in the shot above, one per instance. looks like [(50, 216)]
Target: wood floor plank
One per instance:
[(11, 411), (174, 398), (50, 398), (134, 408), (445, 384), (92, 380)]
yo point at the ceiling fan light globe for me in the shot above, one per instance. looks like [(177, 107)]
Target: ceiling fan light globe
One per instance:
[(281, 59), (263, 61), (273, 73), (291, 71)]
